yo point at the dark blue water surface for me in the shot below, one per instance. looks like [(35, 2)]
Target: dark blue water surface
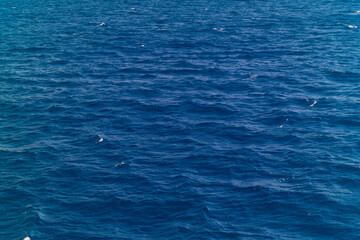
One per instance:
[(219, 119)]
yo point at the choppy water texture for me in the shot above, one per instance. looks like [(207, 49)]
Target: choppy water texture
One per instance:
[(219, 119)]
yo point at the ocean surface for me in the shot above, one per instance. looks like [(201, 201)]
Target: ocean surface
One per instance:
[(169, 119)]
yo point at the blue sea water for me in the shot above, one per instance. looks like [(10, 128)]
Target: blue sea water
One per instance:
[(232, 119)]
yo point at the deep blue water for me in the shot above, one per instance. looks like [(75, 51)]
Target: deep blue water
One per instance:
[(219, 119)]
